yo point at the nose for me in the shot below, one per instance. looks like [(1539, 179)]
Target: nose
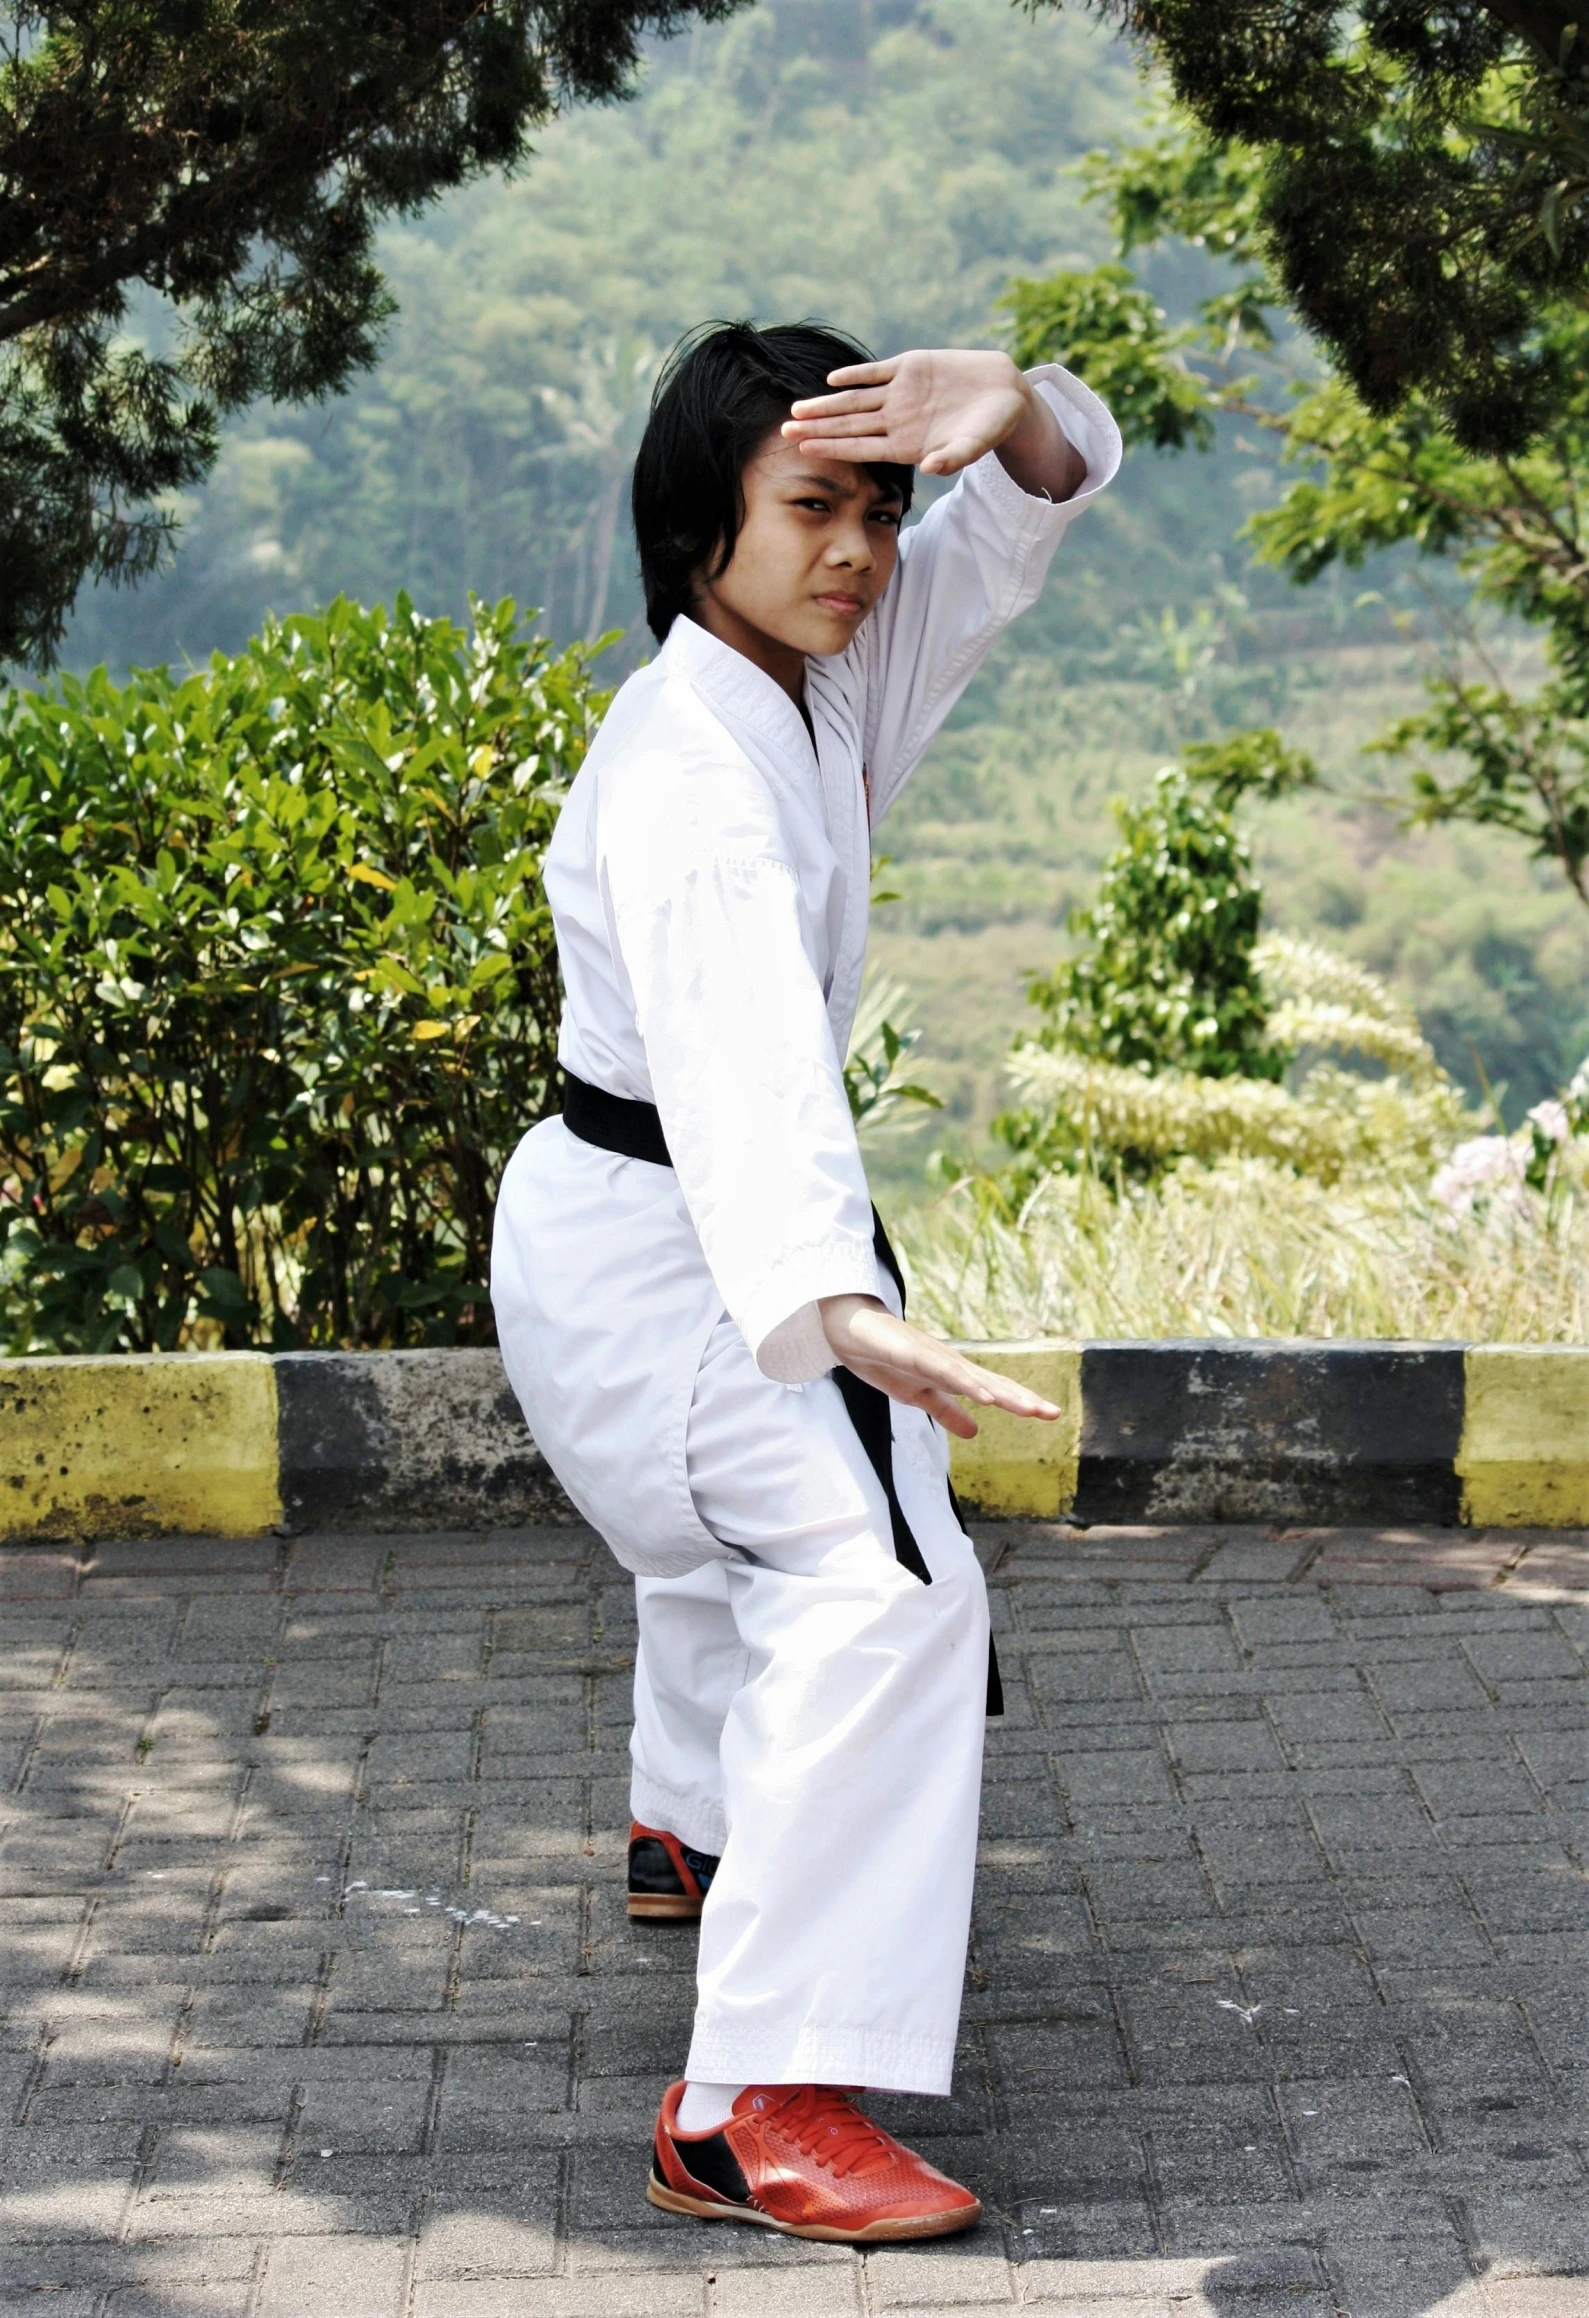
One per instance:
[(851, 547)]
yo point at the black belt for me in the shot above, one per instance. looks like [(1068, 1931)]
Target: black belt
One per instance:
[(633, 1130)]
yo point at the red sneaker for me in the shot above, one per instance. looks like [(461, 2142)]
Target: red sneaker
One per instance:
[(666, 1878), (804, 2160)]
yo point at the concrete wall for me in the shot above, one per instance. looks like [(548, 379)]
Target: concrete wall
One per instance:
[(234, 1443)]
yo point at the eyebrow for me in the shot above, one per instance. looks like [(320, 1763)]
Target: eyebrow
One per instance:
[(844, 486)]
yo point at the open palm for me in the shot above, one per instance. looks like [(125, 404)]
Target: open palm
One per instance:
[(913, 1367), (935, 410)]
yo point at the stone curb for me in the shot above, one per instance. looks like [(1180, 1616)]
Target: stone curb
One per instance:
[(233, 1443)]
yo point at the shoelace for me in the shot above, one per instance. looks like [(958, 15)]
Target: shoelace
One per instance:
[(824, 2125)]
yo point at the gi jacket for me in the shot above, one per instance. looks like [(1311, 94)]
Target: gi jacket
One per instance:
[(709, 882)]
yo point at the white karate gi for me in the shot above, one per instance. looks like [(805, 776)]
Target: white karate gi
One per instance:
[(709, 882)]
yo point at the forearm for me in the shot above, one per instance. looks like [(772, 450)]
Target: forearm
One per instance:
[(1037, 454)]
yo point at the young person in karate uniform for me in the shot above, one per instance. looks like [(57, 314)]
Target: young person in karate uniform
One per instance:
[(697, 1313)]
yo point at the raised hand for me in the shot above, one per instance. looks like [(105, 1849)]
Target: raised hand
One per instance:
[(939, 411), (913, 1367)]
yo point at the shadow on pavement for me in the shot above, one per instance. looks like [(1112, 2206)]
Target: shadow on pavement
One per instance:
[(319, 1994)]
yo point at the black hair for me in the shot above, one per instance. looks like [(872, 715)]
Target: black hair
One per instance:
[(721, 392)]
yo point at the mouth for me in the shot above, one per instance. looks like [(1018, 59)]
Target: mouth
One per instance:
[(846, 607)]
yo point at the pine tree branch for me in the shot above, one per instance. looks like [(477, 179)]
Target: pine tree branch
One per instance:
[(1542, 22)]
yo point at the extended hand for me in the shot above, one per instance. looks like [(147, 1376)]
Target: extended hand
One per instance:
[(939, 411), (910, 1366)]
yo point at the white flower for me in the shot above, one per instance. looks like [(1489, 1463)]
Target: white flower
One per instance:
[(1551, 1120), (1477, 1169)]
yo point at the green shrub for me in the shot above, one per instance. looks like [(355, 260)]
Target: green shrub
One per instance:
[(1167, 980), (278, 989)]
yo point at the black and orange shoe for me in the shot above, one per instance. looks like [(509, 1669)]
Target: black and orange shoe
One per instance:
[(666, 1878), (804, 2160)]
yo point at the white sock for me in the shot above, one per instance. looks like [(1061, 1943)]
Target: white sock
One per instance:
[(702, 2108)]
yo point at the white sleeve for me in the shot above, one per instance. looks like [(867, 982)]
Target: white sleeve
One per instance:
[(974, 562), (748, 1083)]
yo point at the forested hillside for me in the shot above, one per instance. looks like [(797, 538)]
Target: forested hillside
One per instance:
[(888, 165)]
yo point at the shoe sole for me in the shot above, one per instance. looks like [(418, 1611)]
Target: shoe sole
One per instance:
[(664, 1907), (927, 2225)]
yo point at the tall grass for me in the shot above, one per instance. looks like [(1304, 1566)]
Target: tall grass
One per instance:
[(1246, 1247)]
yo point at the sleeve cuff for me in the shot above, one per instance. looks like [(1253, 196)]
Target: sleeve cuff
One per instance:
[(797, 1351), (1086, 426), (794, 1349)]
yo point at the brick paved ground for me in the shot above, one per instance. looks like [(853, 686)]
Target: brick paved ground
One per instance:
[(319, 1996)]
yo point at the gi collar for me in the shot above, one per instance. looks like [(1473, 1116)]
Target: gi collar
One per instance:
[(736, 686)]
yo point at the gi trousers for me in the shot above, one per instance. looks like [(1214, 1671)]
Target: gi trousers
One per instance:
[(813, 1712)]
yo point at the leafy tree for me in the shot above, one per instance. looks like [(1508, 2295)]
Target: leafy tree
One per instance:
[(233, 157), (481, 452), (1166, 980), (278, 987), (1514, 521), (1168, 1036), (1417, 182)]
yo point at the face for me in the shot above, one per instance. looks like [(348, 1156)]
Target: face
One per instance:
[(817, 548)]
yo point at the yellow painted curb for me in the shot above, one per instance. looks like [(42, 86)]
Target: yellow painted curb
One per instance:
[(1017, 1466), (136, 1445), (1524, 1459)]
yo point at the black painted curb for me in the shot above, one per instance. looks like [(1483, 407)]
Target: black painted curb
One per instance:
[(403, 1441), (1200, 1431), (234, 1443)]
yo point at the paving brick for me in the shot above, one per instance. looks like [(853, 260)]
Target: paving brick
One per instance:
[(53, 2302), (366, 2113), (1528, 2235), (46, 2212), (491, 2097), (1386, 2271), (1275, 1948), (1266, 2269), (1225, 1745), (190, 2300), (1538, 2297), (1115, 1775), (814, 2292), (647, 2296), (326, 2277), (932, 2276), (491, 2236)]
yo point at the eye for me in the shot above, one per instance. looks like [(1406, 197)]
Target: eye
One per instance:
[(888, 515), (817, 506)]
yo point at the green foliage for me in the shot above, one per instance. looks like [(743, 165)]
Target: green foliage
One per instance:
[(880, 1097), (1168, 1037), (1255, 763), (278, 987), (481, 453), (952, 124), (1102, 326), (1248, 1247), (1167, 980), (1373, 474), (1418, 184), (235, 162), (1521, 765)]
